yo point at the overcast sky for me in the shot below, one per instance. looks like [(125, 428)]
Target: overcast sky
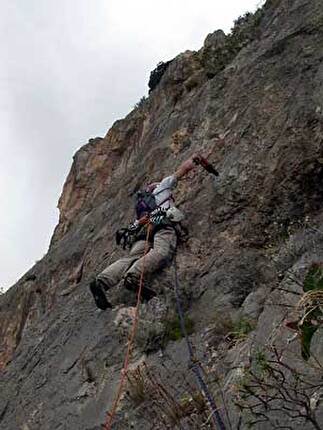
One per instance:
[(69, 69)]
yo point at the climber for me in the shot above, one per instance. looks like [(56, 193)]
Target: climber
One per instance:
[(156, 205)]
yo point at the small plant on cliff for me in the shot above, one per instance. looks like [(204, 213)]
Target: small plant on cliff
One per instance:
[(169, 404), (245, 30), (157, 74), (141, 103), (231, 331), (271, 390), (242, 327), (314, 278), (173, 328), (310, 308), (136, 387)]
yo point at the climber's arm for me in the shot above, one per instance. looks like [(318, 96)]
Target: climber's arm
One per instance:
[(187, 166)]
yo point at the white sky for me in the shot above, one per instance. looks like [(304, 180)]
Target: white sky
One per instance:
[(69, 69)]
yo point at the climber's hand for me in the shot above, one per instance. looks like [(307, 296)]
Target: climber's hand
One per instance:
[(197, 158)]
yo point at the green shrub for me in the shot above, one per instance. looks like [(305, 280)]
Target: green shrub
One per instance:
[(310, 308), (261, 361), (245, 30), (314, 278), (173, 328), (141, 104), (157, 74), (242, 327)]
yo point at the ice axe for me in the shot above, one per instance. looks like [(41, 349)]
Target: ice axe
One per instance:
[(206, 165)]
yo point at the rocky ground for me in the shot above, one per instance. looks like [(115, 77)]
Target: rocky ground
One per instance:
[(252, 264)]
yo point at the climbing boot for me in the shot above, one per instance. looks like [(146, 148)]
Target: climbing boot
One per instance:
[(131, 283), (97, 290)]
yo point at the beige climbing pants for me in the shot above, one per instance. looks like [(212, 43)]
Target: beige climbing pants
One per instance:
[(159, 255)]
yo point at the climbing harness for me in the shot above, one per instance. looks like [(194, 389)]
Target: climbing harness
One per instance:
[(111, 415), (137, 230), (195, 365)]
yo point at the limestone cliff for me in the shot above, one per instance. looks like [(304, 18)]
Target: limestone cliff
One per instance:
[(253, 100)]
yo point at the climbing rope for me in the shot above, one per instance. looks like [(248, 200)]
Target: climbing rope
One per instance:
[(111, 415), (196, 366)]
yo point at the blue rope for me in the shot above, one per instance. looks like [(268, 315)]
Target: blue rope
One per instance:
[(196, 367)]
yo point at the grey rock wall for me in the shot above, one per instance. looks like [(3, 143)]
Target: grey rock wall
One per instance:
[(260, 118)]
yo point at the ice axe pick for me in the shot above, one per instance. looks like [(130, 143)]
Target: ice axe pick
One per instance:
[(206, 165)]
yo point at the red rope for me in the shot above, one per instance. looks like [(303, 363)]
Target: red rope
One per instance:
[(111, 415)]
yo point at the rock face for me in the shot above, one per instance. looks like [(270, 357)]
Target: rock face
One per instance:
[(256, 105)]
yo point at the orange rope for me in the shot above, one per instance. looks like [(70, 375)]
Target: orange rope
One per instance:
[(111, 415)]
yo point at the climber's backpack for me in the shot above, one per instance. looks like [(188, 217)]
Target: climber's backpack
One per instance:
[(145, 203)]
